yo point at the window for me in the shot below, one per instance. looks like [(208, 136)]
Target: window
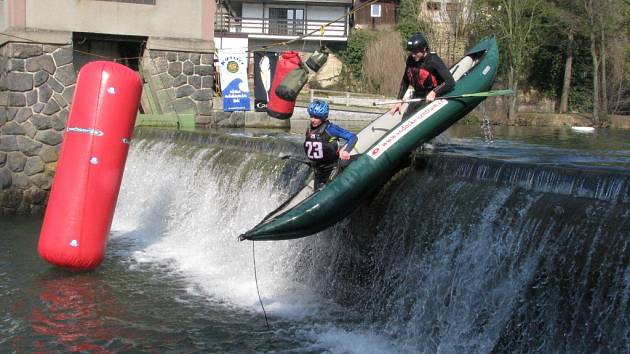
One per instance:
[(375, 10), (434, 6), (284, 21), (143, 2)]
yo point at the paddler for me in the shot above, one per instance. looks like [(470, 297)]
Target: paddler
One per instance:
[(321, 144), (425, 72)]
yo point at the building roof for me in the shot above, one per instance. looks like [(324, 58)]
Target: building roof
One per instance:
[(331, 2)]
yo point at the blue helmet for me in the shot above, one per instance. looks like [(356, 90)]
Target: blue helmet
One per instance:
[(318, 109)]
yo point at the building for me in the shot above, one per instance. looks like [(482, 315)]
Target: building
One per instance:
[(44, 43), (380, 15), (449, 24), (270, 24)]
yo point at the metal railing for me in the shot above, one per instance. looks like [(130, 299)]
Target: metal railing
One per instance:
[(279, 27), (344, 98)]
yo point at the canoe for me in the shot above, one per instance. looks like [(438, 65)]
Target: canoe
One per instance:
[(583, 129), (382, 146)]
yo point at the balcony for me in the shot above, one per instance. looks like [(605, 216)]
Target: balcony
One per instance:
[(263, 27)]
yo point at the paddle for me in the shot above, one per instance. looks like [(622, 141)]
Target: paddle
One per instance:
[(477, 94), (289, 157)]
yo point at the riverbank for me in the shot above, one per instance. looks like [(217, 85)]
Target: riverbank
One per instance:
[(355, 113)]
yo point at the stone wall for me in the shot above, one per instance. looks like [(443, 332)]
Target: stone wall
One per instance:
[(181, 81), (37, 84)]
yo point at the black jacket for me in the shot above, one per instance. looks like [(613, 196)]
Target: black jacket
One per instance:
[(426, 75)]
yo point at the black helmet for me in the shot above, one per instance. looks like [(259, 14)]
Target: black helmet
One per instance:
[(417, 42)]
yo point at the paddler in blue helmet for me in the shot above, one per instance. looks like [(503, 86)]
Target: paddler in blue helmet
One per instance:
[(321, 144)]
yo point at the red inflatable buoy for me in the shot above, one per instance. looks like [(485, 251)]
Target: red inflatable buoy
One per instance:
[(279, 107), (90, 167)]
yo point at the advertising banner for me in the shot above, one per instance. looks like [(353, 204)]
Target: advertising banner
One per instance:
[(264, 68), (234, 80)]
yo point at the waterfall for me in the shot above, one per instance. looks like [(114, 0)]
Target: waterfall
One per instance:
[(453, 255)]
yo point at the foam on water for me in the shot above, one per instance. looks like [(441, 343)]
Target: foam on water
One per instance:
[(183, 213)]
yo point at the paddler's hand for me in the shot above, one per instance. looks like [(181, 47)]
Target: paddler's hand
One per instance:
[(395, 108), (344, 155), (431, 96)]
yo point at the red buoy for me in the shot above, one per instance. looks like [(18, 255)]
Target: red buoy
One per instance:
[(90, 167), (279, 107)]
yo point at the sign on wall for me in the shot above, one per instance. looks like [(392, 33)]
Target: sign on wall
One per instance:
[(264, 68), (233, 69)]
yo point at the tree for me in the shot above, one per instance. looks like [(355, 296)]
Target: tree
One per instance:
[(410, 22), (352, 58), (515, 23), (607, 22), (614, 38), (460, 20), (591, 13), (562, 13)]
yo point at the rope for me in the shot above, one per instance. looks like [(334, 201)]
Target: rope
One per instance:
[(257, 290), (170, 100), (321, 29), (75, 50)]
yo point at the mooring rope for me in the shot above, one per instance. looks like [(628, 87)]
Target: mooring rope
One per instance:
[(258, 290)]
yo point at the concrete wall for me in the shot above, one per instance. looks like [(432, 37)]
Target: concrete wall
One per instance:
[(227, 41), (4, 10), (182, 18)]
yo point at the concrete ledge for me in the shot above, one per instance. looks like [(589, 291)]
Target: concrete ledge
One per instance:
[(37, 36), (181, 121), (242, 119), (181, 45), (263, 120)]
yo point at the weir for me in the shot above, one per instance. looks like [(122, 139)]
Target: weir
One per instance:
[(454, 254)]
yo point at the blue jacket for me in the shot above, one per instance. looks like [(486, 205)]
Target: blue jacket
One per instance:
[(339, 132)]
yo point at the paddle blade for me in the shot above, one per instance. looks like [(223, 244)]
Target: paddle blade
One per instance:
[(490, 93)]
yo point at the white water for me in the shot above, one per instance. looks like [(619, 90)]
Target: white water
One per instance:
[(183, 214)]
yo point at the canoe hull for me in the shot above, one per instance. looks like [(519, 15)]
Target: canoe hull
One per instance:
[(381, 160)]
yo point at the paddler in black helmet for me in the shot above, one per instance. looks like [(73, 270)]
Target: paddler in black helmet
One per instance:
[(426, 72)]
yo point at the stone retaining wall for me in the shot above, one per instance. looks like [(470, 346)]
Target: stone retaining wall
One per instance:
[(182, 81), (37, 83)]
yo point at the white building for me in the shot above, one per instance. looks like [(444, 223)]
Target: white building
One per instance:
[(270, 24)]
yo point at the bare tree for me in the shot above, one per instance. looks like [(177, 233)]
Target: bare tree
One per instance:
[(460, 22), (602, 54), (568, 71), (569, 23), (591, 13), (514, 22), (384, 76)]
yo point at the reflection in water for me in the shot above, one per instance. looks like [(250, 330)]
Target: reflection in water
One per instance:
[(73, 313)]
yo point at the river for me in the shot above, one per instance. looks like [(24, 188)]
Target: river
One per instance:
[(516, 245)]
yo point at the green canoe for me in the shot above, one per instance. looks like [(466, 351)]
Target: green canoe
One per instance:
[(381, 147)]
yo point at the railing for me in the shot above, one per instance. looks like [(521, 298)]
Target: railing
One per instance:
[(345, 98), (279, 27)]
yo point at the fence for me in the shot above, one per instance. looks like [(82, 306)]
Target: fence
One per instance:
[(344, 98)]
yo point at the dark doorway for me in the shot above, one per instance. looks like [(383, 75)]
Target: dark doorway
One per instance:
[(126, 50)]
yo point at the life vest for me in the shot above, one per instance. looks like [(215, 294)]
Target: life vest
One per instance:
[(421, 79), (320, 146)]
